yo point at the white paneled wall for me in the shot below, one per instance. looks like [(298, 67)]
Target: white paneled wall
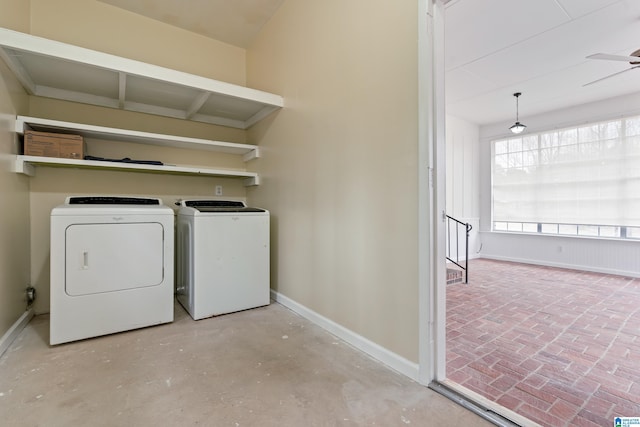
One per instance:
[(582, 253), (463, 177), (462, 168), (609, 256)]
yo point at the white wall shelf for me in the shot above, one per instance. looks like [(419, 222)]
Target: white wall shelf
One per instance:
[(58, 70), (27, 164)]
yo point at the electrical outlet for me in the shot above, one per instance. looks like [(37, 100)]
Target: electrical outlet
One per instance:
[(218, 190), (31, 294)]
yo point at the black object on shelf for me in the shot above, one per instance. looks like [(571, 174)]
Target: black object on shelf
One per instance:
[(125, 160)]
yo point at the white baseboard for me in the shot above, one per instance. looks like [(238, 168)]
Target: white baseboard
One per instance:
[(14, 330), (634, 274), (392, 360)]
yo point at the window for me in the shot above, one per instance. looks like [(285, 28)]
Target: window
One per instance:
[(581, 181)]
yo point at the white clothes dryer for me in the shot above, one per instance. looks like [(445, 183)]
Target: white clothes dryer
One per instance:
[(222, 257), (111, 266)]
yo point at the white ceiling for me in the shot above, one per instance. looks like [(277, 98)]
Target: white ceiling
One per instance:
[(235, 22), (538, 47), (493, 48)]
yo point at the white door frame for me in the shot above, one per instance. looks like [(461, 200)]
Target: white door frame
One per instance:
[(431, 211), (431, 188)]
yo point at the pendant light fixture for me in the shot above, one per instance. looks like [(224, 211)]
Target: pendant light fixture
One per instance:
[(517, 127)]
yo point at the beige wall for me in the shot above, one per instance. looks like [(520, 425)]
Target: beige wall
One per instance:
[(15, 14), (94, 25), (14, 189), (102, 27), (340, 162)]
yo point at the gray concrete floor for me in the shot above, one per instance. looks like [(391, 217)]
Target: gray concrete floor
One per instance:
[(262, 367)]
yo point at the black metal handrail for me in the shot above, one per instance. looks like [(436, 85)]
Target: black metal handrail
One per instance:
[(467, 228)]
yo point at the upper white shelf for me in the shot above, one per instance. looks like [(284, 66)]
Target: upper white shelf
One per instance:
[(23, 123), (58, 70)]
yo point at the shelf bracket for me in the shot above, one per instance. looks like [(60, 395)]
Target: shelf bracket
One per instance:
[(197, 104), (20, 166), (21, 74), (252, 182), (253, 154), (122, 89)]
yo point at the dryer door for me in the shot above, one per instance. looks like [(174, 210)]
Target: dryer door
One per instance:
[(113, 257)]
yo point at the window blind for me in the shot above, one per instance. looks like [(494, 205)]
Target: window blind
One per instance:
[(588, 174)]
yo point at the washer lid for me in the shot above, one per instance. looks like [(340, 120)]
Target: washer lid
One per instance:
[(219, 206), (214, 209), (111, 205), (112, 200)]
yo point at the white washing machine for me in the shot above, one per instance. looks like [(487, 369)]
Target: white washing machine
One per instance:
[(222, 257), (111, 266)]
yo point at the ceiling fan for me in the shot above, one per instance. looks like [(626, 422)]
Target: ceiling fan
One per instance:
[(633, 60)]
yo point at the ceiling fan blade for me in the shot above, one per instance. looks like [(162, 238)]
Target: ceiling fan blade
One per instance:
[(608, 57), (610, 75)]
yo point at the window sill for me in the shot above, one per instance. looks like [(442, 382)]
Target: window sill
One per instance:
[(563, 236)]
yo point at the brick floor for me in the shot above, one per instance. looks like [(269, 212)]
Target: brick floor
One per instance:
[(558, 346)]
